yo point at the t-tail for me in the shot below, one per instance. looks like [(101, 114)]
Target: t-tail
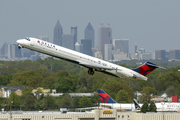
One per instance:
[(137, 107), (146, 68), (105, 98)]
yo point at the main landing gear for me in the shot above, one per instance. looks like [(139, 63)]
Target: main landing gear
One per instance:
[(90, 71)]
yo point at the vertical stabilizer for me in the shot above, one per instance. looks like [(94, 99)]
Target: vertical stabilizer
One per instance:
[(104, 97)]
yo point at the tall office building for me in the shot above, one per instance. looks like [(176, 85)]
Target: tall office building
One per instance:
[(122, 45), (108, 52), (68, 41), (160, 54), (89, 34), (4, 50), (45, 38), (104, 37), (58, 32), (87, 47), (74, 31), (79, 47), (17, 52), (174, 54)]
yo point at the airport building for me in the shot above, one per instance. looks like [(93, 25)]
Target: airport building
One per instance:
[(109, 114)]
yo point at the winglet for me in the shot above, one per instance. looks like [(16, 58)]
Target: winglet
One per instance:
[(105, 98)]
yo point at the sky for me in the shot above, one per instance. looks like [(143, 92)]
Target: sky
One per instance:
[(151, 24)]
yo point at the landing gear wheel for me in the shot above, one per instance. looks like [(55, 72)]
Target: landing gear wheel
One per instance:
[(90, 71)]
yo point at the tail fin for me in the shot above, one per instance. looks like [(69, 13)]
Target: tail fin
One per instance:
[(104, 97), (146, 68), (138, 108)]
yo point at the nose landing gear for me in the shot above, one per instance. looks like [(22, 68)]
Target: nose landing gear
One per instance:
[(19, 46), (90, 71)]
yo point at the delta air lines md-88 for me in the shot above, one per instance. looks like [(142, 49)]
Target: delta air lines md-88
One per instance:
[(92, 63)]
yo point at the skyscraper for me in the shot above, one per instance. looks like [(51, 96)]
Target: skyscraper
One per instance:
[(122, 45), (45, 38), (89, 33), (174, 54), (160, 54), (108, 52), (104, 37), (87, 47), (74, 31), (68, 41), (58, 32)]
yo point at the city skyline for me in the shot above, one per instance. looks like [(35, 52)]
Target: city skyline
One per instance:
[(153, 25)]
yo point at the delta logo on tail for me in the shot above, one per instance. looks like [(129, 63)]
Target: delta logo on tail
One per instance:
[(146, 68), (138, 108), (104, 97)]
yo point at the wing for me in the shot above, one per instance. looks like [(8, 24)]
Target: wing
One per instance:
[(96, 66)]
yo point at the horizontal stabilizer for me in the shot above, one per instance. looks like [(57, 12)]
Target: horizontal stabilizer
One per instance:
[(146, 68)]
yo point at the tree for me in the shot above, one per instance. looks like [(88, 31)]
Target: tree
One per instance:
[(29, 103), (66, 101), (48, 102), (14, 100), (144, 108), (65, 85), (122, 96), (152, 107), (84, 102), (146, 94), (170, 91)]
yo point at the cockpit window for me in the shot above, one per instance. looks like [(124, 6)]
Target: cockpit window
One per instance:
[(27, 39)]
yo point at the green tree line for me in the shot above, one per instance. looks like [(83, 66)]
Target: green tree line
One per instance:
[(67, 77)]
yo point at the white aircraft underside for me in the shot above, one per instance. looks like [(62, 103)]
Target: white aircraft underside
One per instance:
[(92, 63)]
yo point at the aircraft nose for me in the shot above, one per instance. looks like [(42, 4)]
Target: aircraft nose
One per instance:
[(19, 42)]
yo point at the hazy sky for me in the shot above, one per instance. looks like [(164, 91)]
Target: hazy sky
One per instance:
[(152, 24)]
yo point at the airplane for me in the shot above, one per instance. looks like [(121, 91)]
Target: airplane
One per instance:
[(137, 106), (92, 63), (108, 102), (164, 106)]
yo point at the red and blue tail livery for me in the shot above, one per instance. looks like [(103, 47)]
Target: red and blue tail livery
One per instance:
[(146, 68), (104, 97)]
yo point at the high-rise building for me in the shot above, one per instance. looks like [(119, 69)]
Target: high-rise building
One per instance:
[(174, 54), (135, 49), (108, 52), (74, 31), (160, 54), (79, 47), (45, 38), (104, 37), (146, 56), (89, 34), (4, 49), (68, 41), (87, 47), (122, 45), (17, 52), (58, 32)]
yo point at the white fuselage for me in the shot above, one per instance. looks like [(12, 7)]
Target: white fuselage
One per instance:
[(166, 107), (78, 58)]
